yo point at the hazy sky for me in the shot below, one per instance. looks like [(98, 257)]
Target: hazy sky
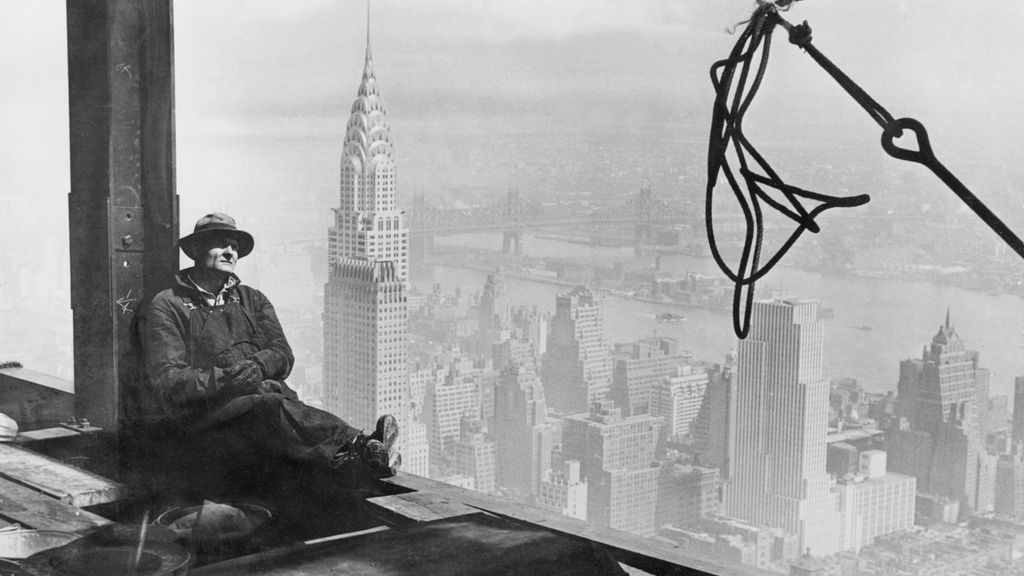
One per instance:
[(485, 94), (264, 86)]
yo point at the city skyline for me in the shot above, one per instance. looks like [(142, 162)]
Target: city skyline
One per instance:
[(591, 370), (263, 162)]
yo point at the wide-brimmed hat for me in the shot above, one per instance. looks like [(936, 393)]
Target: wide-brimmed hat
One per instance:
[(216, 224)]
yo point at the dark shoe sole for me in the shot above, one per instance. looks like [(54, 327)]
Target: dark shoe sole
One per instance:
[(378, 459), (386, 431)]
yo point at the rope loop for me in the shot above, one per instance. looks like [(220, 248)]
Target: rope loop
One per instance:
[(736, 166), (923, 154)]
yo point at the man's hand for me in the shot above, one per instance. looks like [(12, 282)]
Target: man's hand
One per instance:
[(277, 387), (245, 375)]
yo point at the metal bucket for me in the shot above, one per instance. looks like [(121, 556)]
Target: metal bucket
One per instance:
[(258, 517), (78, 559), (20, 544)]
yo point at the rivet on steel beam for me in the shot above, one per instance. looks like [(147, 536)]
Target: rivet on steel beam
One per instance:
[(127, 240)]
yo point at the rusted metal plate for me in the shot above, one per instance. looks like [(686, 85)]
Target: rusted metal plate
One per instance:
[(651, 555), (463, 546), (31, 509), (61, 481)]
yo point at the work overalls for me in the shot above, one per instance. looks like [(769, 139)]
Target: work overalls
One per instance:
[(255, 425)]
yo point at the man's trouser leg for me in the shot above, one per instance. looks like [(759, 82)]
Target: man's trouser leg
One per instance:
[(281, 427)]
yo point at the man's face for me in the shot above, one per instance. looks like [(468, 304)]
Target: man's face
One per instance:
[(218, 253)]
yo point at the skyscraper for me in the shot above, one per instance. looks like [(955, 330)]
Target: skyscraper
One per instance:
[(494, 313), (474, 455), (936, 436), (616, 454), (453, 393), (1009, 493), (777, 473), (366, 296), (522, 435), (678, 399), (564, 491), (713, 424), (1017, 432), (577, 368), (638, 367)]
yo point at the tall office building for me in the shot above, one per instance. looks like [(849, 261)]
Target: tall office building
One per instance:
[(366, 297), (533, 325), (416, 452), (494, 313), (564, 491), (874, 502), (521, 433), (638, 366), (936, 436), (1009, 493), (577, 368), (453, 393), (1017, 430), (686, 494), (712, 426), (616, 454), (474, 455), (777, 473), (678, 399)]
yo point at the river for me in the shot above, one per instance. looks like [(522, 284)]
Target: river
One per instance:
[(903, 316)]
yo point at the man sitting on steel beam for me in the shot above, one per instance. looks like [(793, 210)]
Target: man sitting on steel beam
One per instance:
[(217, 358)]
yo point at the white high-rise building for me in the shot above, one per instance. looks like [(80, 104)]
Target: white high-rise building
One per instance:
[(778, 450), (366, 296), (416, 452), (875, 502), (678, 399), (564, 491), (452, 394)]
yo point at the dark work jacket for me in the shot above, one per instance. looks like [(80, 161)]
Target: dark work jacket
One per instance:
[(182, 383)]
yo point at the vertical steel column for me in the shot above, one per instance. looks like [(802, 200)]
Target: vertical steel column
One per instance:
[(123, 207)]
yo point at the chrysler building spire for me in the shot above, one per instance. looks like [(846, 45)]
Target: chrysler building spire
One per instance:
[(368, 65)]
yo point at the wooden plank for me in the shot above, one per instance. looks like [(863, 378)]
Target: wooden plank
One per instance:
[(418, 507), (45, 434), (66, 483), (32, 509), (35, 400)]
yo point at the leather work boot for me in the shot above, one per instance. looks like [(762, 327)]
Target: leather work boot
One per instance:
[(372, 456), (383, 458)]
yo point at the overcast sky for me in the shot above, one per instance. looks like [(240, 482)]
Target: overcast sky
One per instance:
[(273, 69), (264, 89)]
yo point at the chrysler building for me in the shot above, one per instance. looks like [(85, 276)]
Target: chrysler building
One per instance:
[(365, 299)]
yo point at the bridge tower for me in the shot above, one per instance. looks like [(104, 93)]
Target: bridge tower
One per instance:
[(512, 237), (644, 208)]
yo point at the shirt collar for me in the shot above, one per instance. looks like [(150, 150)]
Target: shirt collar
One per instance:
[(210, 298)]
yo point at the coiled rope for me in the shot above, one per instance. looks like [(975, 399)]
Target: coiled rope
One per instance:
[(734, 91)]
